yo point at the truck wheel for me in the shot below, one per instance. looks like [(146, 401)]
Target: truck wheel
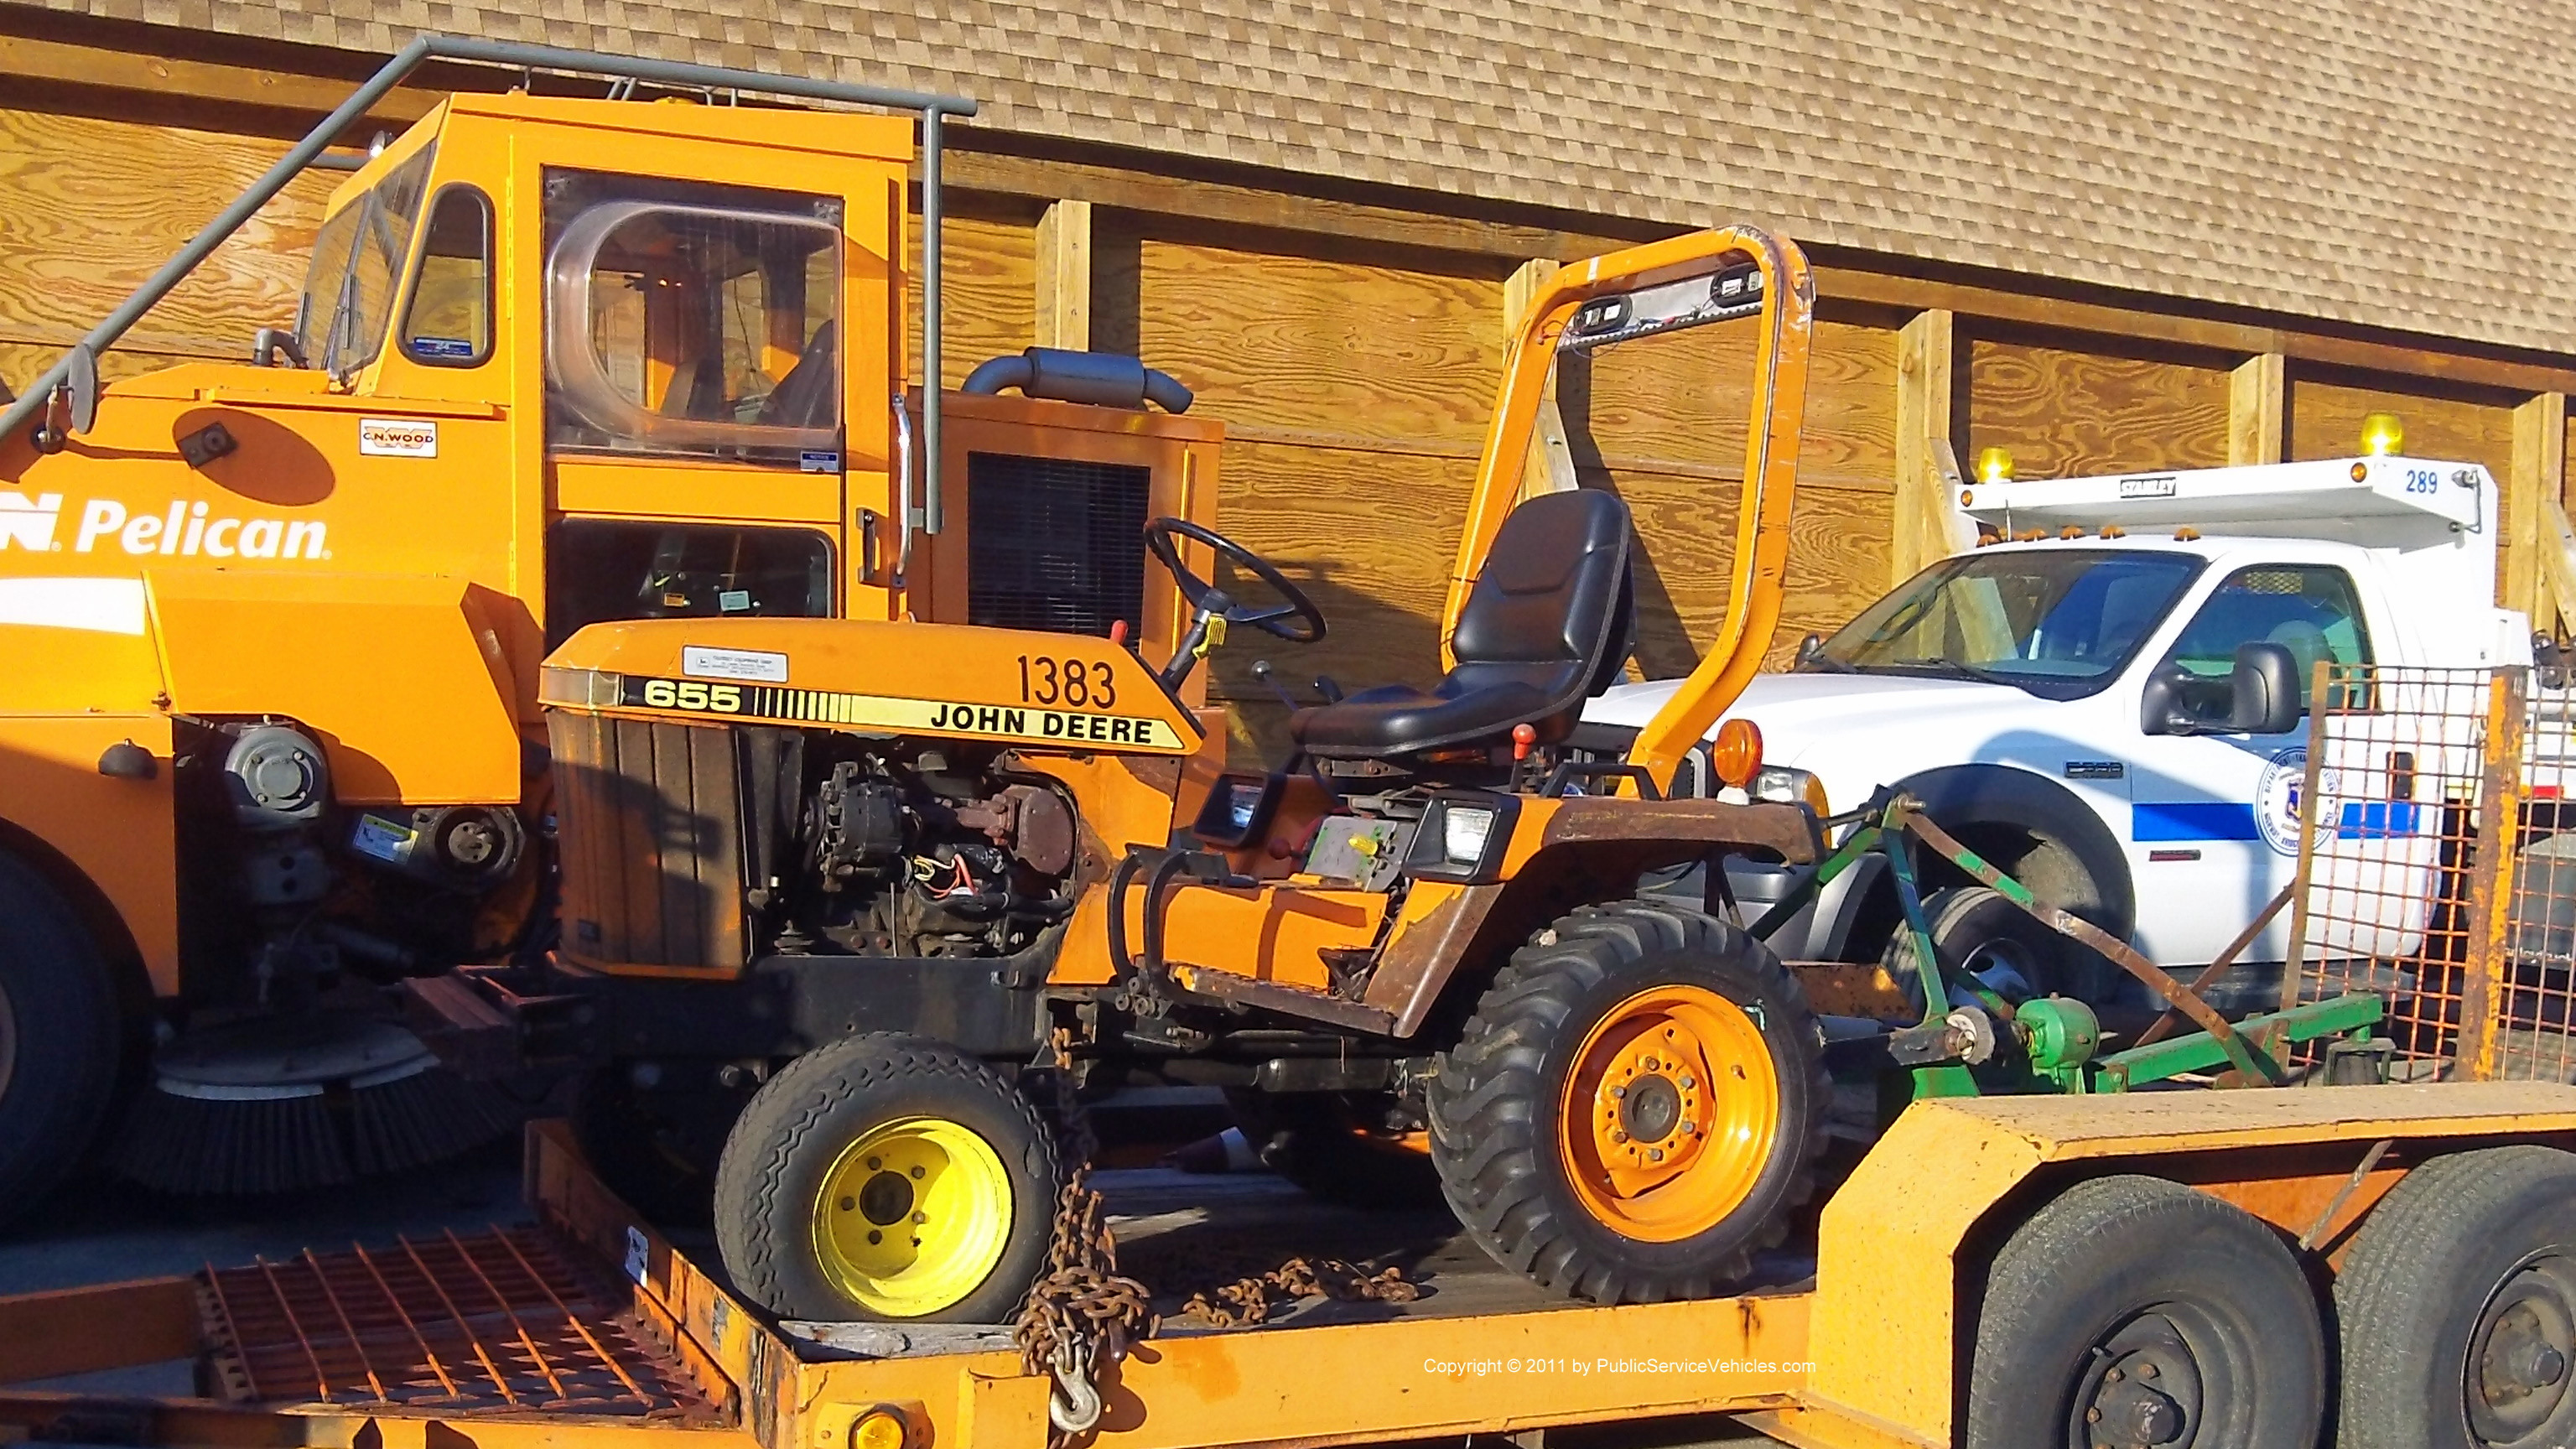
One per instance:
[(58, 1038), (1979, 930), (1331, 1144), (2458, 1305), (2132, 1310), (887, 1177), (1635, 1107)]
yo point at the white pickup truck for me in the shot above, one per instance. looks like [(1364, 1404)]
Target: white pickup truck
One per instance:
[(2083, 703)]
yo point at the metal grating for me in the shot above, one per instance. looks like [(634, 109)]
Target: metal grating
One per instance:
[(496, 1321), (2440, 864), (1054, 544)]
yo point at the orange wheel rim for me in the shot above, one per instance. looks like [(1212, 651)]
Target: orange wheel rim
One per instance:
[(1670, 1114)]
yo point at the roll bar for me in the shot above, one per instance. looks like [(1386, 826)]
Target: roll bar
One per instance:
[(1786, 308), (933, 110)]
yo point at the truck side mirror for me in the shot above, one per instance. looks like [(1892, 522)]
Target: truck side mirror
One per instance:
[(2263, 693)]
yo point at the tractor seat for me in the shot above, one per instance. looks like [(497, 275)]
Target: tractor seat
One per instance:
[(1545, 628)]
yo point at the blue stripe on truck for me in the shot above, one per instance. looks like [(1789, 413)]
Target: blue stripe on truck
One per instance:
[(2192, 820)]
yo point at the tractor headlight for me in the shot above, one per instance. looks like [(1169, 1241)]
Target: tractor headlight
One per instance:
[(1464, 830), (1463, 837), (1781, 785)]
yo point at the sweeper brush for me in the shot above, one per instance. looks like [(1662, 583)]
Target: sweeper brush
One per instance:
[(275, 1106)]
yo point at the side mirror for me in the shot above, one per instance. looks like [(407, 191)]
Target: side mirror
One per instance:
[(2263, 693), (2160, 707)]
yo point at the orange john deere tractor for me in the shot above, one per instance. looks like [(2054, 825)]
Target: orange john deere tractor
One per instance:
[(886, 870)]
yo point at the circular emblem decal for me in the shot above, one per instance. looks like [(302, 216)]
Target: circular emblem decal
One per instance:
[(2278, 808)]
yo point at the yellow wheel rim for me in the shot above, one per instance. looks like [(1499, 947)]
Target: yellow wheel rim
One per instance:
[(913, 1217), (1670, 1114)]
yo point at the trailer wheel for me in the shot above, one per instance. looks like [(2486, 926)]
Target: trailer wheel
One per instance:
[(58, 1038), (887, 1177), (2458, 1305), (2132, 1310), (1333, 1146), (1635, 1107), (1979, 930)]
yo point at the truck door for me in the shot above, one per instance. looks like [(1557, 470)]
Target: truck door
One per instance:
[(2216, 817), (694, 430)]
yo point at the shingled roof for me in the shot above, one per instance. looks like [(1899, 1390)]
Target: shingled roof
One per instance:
[(2401, 165)]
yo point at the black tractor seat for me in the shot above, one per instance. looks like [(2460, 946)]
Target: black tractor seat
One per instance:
[(1546, 627)]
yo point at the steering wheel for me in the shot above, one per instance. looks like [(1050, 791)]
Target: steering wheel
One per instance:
[(1297, 620)]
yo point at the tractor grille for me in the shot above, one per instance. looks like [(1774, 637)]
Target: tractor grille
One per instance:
[(1054, 543), (651, 832)]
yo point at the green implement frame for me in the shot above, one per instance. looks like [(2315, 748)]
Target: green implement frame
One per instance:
[(1953, 1053)]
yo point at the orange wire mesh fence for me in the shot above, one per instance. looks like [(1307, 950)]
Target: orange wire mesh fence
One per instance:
[(2434, 866)]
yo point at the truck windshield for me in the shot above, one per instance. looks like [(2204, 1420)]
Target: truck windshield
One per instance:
[(357, 262), (2058, 623)]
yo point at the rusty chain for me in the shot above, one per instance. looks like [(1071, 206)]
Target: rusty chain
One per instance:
[(1082, 1313)]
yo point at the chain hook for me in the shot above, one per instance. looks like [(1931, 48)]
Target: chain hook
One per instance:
[(1074, 1405)]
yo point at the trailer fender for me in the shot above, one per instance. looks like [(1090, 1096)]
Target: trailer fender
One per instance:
[(1897, 1246), (408, 681)]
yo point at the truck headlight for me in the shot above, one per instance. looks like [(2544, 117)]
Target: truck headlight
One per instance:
[(1463, 837), (1784, 786)]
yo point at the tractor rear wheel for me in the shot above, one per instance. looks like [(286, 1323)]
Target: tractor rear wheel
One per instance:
[(887, 1177), (1635, 1107), (2132, 1310), (2458, 1306), (1337, 1147), (58, 1038)]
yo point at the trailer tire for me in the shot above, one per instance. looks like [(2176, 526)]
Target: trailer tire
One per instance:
[(1314, 1140), (855, 1145), (1543, 1113), (1978, 929), (2178, 1317), (59, 1038), (2458, 1306)]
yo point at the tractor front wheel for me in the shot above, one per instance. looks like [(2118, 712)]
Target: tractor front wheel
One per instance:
[(887, 1177), (2132, 1310), (1635, 1107)]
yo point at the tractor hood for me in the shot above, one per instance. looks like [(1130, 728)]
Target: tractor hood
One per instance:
[(1858, 731)]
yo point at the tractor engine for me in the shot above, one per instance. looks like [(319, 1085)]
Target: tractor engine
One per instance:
[(918, 853)]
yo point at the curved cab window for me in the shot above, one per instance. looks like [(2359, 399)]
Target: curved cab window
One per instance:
[(358, 258), (701, 324), (449, 322)]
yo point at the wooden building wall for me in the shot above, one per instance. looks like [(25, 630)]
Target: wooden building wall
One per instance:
[(1353, 351)]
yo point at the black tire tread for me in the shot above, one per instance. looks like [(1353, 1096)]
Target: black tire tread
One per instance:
[(2039, 1266), (69, 1036), (2382, 1298), (1489, 1146), (774, 1129)]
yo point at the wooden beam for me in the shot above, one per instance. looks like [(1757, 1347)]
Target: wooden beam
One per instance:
[(1927, 392), (2258, 410), (1549, 468), (1064, 275), (89, 65), (2057, 313), (2537, 481)]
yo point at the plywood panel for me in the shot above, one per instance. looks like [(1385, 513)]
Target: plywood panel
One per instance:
[(91, 208), (1683, 399), (2067, 414), (990, 301), (1837, 562), (2325, 422), (1330, 346)]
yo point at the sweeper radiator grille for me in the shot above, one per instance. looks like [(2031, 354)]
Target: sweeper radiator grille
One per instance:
[(497, 1321), (651, 841), (1055, 544)]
